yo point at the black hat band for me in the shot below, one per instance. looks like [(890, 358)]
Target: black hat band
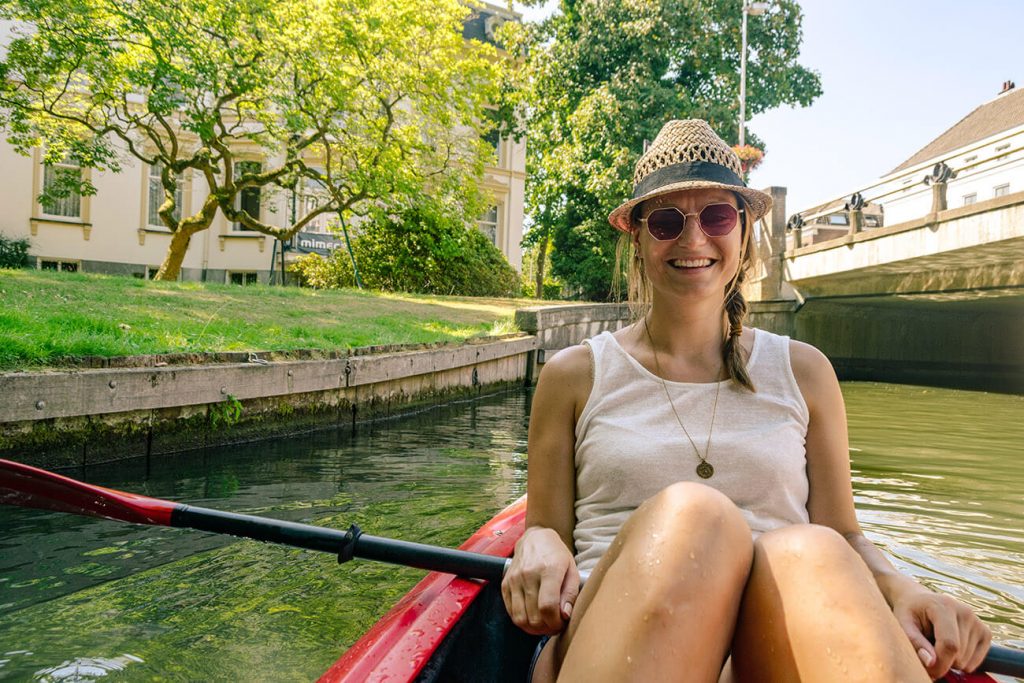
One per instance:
[(686, 171)]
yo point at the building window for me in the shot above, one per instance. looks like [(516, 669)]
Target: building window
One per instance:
[(242, 278), (61, 175), (1001, 190), (248, 199), (312, 197), (491, 137), (833, 219), (488, 224), (970, 198), (156, 197), (58, 265)]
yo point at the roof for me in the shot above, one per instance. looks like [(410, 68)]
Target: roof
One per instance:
[(480, 25), (1002, 113)]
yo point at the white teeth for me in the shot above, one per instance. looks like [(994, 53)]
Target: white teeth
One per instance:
[(691, 263)]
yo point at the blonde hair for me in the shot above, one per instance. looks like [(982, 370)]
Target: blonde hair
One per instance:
[(630, 266)]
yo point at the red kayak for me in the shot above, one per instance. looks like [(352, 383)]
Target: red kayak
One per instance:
[(452, 629)]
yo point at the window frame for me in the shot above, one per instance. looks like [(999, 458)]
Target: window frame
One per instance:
[(61, 262), (150, 210), (236, 226), (61, 167), (480, 223), (246, 280)]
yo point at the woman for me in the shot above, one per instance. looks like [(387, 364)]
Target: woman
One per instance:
[(699, 470)]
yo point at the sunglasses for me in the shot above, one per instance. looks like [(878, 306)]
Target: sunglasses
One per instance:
[(714, 220)]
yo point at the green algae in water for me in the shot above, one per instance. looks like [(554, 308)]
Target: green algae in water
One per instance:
[(192, 606), (196, 606), (247, 607)]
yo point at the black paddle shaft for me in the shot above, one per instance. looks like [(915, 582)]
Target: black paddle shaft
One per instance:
[(344, 544)]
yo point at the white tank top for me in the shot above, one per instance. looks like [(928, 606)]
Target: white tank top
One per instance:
[(629, 445)]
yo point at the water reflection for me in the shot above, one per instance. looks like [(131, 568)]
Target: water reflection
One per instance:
[(937, 482), (938, 485)]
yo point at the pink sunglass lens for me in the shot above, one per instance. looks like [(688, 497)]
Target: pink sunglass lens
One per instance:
[(718, 219), (665, 224)]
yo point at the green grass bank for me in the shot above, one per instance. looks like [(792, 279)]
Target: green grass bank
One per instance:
[(51, 319)]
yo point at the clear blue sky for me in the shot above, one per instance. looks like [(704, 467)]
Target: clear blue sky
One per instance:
[(895, 74)]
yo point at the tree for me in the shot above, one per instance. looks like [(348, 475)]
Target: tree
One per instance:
[(600, 77), (355, 99)]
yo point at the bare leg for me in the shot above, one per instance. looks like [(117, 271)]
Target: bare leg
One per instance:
[(812, 612), (662, 602)]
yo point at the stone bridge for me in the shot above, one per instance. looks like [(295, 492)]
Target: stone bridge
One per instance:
[(934, 300)]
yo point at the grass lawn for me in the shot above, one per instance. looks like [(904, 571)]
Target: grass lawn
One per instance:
[(50, 318)]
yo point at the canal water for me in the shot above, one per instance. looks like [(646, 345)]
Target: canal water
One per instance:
[(938, 478)]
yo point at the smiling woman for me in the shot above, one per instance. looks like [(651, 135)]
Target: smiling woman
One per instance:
[(699, 473)]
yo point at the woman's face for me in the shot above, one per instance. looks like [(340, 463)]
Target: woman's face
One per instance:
[(692, 264)]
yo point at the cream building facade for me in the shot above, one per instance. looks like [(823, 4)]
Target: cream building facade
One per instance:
[(978, 158), (117, 231)]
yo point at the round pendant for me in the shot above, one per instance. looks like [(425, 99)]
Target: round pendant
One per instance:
[(705, 470)]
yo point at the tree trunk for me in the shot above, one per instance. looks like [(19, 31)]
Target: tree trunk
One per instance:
[(170, 269), (542, 257)]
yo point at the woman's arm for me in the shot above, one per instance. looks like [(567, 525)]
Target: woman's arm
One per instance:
[(960, 638), (542, 582)]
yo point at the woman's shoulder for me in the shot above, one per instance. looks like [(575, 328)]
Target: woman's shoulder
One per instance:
[(570, 361), (812, 370), (568, 374), (569, 370)]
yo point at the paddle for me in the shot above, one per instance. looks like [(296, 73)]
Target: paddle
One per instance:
[(32, 487)]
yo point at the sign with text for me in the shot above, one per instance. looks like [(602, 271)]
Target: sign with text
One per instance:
[(316, 242)]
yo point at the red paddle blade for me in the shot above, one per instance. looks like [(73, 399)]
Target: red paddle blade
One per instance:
[(28, 486)]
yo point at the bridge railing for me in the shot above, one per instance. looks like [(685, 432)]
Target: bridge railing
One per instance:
[(895, 198)]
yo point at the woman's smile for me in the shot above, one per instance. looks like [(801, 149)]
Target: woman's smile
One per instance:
[(692, 264)]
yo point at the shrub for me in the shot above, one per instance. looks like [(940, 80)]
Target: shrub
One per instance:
[(420, 248), (13, 252), (313, 270)]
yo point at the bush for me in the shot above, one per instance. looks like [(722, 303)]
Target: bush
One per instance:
[(313, 270), (418, 249), (13, 252)]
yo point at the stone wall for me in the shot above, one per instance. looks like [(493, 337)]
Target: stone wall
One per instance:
[(77, 417)]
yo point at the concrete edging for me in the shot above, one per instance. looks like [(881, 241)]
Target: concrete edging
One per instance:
[(80, 417), (40, 396)]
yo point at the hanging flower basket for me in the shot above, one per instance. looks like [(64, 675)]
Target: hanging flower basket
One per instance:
[(750, 158)]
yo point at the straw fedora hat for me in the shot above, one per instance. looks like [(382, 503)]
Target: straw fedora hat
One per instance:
[(688, 155)]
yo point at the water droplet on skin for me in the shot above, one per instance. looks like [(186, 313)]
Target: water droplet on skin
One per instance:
[(629, 660), (692, 555)]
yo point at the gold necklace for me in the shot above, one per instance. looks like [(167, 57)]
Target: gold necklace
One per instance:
[(704, 469)]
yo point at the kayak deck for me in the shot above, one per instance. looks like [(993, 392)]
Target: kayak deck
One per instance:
[(457, 630)]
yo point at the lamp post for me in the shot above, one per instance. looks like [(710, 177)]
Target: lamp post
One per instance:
[(757, 9)]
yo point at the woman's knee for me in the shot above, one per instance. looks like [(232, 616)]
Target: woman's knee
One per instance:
[(686, 532), (809, 547), (695, 505)]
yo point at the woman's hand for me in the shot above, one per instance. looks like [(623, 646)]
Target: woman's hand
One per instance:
[(960, 639), (542, 583)]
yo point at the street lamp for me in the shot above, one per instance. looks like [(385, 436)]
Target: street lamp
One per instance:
[(757, 9)]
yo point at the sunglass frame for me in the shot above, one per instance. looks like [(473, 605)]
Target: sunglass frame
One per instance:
[(740, 212)]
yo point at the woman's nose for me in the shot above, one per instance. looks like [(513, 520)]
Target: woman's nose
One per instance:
[(691, 234)]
